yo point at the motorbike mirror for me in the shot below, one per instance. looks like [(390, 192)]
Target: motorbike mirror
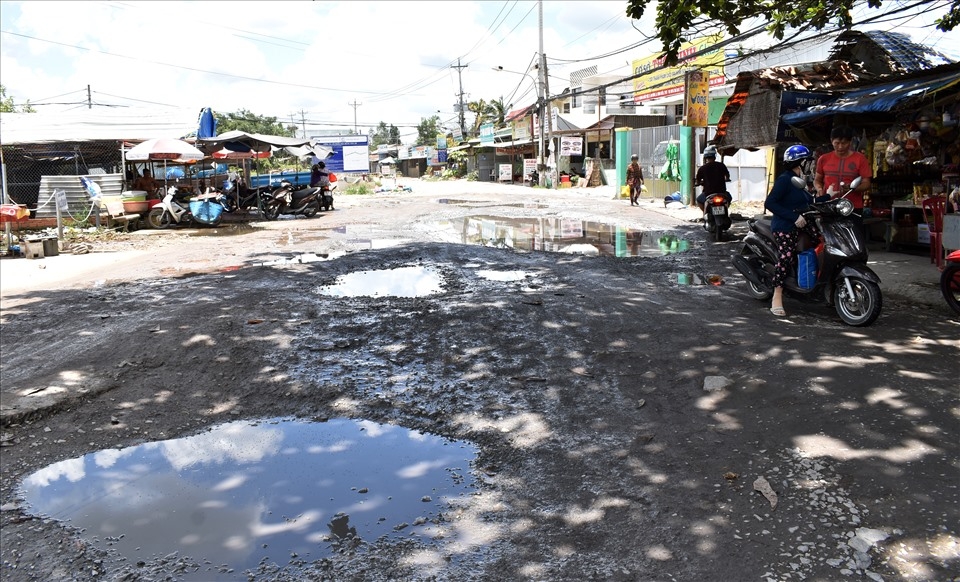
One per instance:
[(856, 182), (799, 182)]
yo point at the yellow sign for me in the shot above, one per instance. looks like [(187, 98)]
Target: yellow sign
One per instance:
[(697, 98), (669, 81)]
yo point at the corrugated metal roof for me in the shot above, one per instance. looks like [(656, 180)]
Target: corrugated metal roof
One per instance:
[(884, 97), (95, 125), (883, 52)]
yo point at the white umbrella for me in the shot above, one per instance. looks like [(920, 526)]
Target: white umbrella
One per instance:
[(166, 149)]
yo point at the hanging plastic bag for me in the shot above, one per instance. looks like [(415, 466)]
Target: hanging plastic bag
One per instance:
[(807, 269)]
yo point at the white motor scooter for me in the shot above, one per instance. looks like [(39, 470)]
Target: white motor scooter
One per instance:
[(168, 212)]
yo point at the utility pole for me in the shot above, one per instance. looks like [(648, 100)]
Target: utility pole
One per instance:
[(458, 66), (89, 101), (542, 70), (355, 105), (303, 123)]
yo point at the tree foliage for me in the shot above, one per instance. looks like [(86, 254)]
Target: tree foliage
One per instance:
[(427, 130), (7, 105), (679, 21), (244, 120), (384, 134)]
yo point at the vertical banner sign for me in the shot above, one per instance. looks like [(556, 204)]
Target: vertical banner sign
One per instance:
[(486, 134), (697, 98), (529, 166), (506, 172), (441, 142)]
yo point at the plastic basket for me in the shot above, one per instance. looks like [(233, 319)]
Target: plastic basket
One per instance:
[(205, 210)]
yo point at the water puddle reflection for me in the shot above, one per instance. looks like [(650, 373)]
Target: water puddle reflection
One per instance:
[(507, 276), (560, 235), (480, 203), (246, 493), (400, 282)]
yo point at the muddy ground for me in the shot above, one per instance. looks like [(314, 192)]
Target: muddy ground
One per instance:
[(622, 420)]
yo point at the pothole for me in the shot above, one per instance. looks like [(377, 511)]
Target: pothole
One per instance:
[(257, 492), (399, 282), (559, 235)]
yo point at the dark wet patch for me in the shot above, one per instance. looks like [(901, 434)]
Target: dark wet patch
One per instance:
[(399, 282), (249, 493), (560, 235)]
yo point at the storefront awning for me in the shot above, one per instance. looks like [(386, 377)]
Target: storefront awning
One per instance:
[(880, 98)]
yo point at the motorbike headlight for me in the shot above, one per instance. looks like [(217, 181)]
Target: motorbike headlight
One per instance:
[(845, 207)]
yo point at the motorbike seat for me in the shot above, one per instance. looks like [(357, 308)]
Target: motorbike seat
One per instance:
[(302, 193), (763, 227)]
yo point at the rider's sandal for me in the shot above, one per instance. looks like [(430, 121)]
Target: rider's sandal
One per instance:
[(778, 311)]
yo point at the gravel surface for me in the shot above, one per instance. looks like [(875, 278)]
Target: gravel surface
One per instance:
[(627, 427)]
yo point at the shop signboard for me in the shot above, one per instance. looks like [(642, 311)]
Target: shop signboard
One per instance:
[(697, 98), (351, 153), (571, 145), (529, 166), (658, 80), (793, 101), (486, 134), (506, 172)]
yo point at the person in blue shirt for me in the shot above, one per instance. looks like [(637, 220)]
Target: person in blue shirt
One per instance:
[(786, 201)]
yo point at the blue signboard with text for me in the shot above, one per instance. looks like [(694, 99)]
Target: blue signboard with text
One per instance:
[(351, 153)]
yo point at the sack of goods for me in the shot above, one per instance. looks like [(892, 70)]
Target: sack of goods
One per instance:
[(807, 269)]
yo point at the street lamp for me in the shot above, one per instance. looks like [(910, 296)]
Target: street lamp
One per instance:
[(541, 160)]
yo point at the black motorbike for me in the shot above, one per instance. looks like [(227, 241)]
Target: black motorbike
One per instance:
[(842, 277), (236, 196), (288, 199), (717, 214), (326, 196)]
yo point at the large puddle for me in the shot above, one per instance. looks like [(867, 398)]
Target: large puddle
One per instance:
[(559, 235), (249, 493), (399, 282)]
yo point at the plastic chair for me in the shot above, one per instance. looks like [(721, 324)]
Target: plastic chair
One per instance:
[(933, 210)]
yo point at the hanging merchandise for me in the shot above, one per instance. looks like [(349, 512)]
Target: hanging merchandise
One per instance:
[(671, 168)]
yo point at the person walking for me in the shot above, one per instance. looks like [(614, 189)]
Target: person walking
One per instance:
[(634, 179)]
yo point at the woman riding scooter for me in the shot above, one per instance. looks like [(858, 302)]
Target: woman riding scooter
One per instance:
[(786, 201)]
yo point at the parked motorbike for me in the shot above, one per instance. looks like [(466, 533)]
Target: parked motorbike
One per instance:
[(171, 210), (717, 215), (287, 200), (842, 277), (237, 197), (950, 281)]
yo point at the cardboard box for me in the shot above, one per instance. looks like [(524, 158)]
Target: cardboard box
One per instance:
[(906, 235), (923, 233)]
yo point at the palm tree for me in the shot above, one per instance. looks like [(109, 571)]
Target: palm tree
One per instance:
[(497, 111), (479, 108)]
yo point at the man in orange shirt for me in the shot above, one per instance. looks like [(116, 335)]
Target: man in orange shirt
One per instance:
[(836, 169)]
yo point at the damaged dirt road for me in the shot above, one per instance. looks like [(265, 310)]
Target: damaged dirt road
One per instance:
[(624, 427)]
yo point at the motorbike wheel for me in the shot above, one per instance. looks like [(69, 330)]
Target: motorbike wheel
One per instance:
[(758, 293), (861, 309), (311, 209), (950, 286), (717, 233), (271, 211), (158, 218)]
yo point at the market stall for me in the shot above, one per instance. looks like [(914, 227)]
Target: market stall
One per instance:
[(909, 129)]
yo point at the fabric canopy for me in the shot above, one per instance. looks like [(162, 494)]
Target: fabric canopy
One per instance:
[(881, 98), (241, 141)]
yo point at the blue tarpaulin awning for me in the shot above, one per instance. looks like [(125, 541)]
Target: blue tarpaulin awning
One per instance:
[(881, 98)]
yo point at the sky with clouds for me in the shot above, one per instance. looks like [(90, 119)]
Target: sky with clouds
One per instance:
[(323, 64)]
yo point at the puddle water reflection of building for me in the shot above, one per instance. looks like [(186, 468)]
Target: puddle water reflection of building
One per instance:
[(562, 235)]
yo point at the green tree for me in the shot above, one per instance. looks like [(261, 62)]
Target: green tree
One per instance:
[(496, 111), (479, 108), (244, 120), (384, 135), (678, 21), (428, 130), (7, 105)]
